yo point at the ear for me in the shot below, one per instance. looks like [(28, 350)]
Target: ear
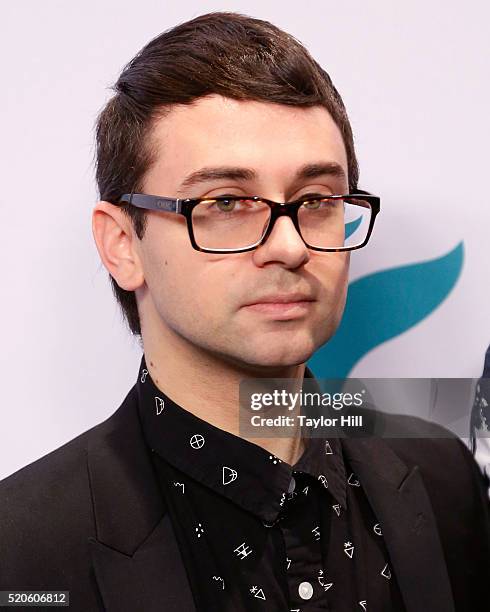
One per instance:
[(116, 243)]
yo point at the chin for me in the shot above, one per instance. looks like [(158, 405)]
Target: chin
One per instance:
[(280, 356), (276, 350)]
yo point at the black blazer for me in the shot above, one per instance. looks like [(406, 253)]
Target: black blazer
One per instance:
[(89, 518)]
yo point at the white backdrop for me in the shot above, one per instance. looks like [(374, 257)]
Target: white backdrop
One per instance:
[(414, 78)]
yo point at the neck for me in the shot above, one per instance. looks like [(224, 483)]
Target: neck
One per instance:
[(207, 385)]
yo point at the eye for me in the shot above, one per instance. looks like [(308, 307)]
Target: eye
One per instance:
[(232, 204), (226, 206)]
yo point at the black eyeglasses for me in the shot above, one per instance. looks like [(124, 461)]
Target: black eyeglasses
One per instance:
[(232, 224)]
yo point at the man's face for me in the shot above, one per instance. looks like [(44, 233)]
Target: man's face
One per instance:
[(203, 297)]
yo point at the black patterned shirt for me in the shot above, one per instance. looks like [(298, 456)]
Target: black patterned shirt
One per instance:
[(257, 534)]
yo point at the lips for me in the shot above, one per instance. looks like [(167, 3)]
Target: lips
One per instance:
[(282, 306), (281, 298)]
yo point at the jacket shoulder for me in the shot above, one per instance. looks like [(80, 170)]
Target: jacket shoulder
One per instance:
[(46, 515), (455, 485), (435, 449), (52, 479), (420, 441)]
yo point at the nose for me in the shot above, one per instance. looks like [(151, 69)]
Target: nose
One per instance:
[(284, 245)]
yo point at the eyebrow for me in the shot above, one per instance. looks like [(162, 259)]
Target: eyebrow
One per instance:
[(237, 173)]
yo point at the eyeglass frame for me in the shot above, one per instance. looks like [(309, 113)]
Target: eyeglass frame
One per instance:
[(277, 209)]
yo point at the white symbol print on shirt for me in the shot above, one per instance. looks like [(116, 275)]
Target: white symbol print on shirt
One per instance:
[(243, 550), (160, 404), (144, 374), (257, 592), (321, 581), (336, 507), (386, 572), (363, 604), (348, 549), (352, 480), (219, 578), (179, 484), (199, 530), (197, 441), (328, 448), (323, 480), (274, 459), (377, 529), (229, 475), (316, 531)]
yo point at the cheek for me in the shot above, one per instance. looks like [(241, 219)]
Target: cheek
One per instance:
[(341, 285), (332, 271), (333, 277), (183, 283), (342, 269), (178, 286), (166, 270)]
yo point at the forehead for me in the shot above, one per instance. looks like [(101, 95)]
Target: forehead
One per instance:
[(273, 138)]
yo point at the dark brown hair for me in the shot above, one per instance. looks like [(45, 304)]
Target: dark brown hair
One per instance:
[(224, 53)]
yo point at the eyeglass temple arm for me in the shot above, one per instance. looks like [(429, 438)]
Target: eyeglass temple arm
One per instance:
[(152, 202), (359, 192)]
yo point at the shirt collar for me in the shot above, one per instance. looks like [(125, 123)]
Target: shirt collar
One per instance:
[(232, 466)]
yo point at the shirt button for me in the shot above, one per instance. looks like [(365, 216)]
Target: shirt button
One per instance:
[(292, 485), (305, 590)]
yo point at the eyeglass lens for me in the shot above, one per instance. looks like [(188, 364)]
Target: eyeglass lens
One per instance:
[(238, 223)]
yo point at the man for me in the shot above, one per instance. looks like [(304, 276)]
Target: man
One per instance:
[(164, 506)]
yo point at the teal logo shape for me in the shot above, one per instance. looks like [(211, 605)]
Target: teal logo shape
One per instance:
[(383, 305)]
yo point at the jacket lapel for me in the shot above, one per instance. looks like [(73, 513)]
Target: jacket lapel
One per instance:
[(402, 506), (135, 557)]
